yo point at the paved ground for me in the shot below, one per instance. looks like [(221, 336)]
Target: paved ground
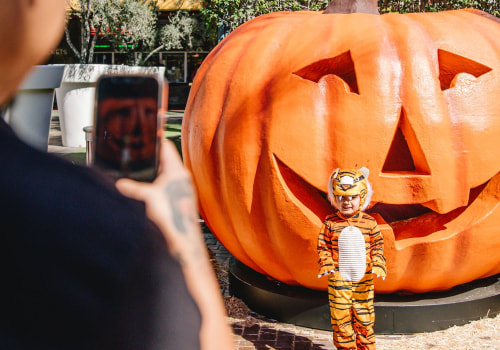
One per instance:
[(253, 331)]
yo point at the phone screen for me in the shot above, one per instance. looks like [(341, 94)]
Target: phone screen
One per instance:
[(126, 126)]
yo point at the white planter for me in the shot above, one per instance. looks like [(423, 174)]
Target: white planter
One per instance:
[(29, 115), (75, 97)]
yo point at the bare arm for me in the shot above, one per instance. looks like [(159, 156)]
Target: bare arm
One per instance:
[(170, 204)]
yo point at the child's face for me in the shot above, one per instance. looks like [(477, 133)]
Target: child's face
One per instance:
[(348, 205)]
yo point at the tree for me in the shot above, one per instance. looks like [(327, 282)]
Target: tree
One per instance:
[(223, 16), (404, 6), (99, 20), (136, 27), (91, 15), (181, 32), (226, 15), (129, 26)]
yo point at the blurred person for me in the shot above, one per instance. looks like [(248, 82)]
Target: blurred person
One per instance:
[(82, 266)]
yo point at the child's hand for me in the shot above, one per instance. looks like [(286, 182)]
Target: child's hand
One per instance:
[(326, 270), (380, 272), (326, 273)]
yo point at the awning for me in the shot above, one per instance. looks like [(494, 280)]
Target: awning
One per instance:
[(170, 5), (173, 5)]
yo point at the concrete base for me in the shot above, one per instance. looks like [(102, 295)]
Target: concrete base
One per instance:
[(395, 314)]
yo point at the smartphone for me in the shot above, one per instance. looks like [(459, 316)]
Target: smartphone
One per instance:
[(127, 126)]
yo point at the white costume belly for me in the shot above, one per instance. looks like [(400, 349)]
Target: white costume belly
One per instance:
[(352, 254)]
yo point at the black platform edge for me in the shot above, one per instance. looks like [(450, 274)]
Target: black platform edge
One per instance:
[(395, 314)]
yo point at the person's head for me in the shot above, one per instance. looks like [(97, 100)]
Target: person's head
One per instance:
[(349, 190), (29, 30)]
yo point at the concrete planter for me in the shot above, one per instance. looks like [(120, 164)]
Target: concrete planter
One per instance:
[(75, 96), (29, 115)]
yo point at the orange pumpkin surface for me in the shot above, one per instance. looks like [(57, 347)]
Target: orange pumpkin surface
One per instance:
[(288, 97)]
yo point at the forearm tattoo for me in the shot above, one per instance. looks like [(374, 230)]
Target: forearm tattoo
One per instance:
[(180, 194)]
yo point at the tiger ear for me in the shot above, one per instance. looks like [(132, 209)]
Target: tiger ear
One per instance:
[(365, 172), (330, 186), (335, 173), (369, 189), (368, 198)]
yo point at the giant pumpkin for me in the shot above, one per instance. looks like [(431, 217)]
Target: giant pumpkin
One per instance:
[(288, 97)]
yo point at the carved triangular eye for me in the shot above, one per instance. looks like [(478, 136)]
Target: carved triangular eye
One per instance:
[(451, 64), (341, 66), (405, 154)]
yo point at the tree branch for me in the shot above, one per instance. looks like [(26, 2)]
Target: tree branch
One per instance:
[(72, 46), (152, 53), (90, 58)]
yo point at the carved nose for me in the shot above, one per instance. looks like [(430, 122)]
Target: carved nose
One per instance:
[(407, 164), (405, 154)]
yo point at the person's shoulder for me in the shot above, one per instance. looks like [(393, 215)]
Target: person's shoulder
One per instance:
[(331, 218), (368, 217), (368, 220)]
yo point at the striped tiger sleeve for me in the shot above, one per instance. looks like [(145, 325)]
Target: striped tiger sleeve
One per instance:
[(326, 261), (377, 246)]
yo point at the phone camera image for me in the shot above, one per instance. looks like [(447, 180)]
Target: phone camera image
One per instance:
[(126, 137)]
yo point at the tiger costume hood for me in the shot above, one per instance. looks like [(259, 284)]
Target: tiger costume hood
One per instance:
[(350, 182)]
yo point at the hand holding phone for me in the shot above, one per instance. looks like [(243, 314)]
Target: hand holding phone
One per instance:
[(127, 126)]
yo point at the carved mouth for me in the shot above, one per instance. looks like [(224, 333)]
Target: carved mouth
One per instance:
[(405, 220)]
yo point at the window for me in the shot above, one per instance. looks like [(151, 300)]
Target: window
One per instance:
[(194, 60), (174, 67)]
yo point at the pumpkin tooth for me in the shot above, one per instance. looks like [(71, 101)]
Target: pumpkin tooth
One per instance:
[(430, 222), (397, 212), (449, 203)]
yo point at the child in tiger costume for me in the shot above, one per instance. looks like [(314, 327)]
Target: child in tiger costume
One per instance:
[(351, 251)]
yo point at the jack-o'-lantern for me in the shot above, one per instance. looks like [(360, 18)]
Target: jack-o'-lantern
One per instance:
[(290, 96)]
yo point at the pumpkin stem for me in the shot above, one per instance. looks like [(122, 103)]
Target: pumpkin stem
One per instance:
[(352, 6)]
